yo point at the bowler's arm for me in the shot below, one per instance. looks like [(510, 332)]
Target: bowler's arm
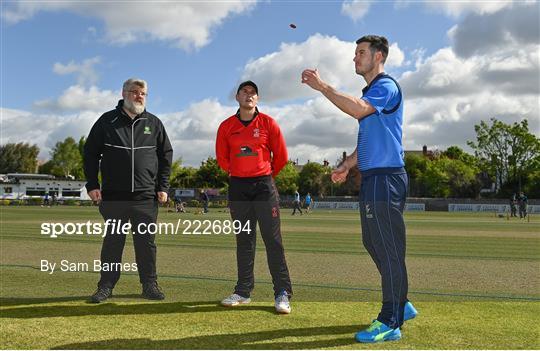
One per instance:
[(353, 106)]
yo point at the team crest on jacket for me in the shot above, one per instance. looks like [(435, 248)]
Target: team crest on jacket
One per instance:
[(246, 151), (147, 130), (256, 132)]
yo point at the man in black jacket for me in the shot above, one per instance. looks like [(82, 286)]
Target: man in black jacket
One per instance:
[(133, 152)]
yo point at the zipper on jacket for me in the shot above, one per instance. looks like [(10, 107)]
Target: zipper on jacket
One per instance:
[(133, 154)]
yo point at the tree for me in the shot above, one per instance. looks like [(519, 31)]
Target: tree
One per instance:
[(462, 178), (435, 179), (82, 141), (182, 177), (287, 179), (416, 165), (507, 152), (18, 158), (532, 187), (312, 179), (442, 176), (47, 168), (525, 156), (176, 169), (456, 153), (463, 172), (210, 175), (67, 159)]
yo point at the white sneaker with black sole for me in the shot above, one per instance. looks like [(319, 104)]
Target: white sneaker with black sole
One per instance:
[(282, 303), (235, 300)]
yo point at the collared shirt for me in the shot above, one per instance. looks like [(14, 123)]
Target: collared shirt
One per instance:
[(246, 123)]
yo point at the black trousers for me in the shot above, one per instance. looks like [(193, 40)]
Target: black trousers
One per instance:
[(522, 211), (256, 200), (136, 212), (296, 207), (382, 201)]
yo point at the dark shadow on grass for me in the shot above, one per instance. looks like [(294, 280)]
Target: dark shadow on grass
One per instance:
[(111, 308), (271, 339), (18, 301)]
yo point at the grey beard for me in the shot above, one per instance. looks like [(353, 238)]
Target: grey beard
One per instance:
[(133, 108)]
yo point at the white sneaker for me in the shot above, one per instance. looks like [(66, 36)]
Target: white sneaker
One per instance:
[(282, 303), (235, 300)]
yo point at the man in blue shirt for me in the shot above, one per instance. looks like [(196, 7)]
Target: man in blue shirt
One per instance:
[(307, 202), (379, 157)]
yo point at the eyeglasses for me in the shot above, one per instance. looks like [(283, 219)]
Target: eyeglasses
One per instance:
[(136, 92)]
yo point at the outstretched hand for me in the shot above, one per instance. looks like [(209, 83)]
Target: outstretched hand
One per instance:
[(311, 77)]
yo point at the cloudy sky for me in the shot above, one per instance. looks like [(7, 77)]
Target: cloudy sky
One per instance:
[(458, 62)]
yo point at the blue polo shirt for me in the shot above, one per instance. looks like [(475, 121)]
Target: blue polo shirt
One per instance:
[(379, 135)]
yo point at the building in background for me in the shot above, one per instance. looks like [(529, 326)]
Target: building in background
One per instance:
[(26, 186)]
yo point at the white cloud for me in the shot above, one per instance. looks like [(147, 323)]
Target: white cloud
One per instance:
[(511, 67), (278, 74), (457, 87), (79, 98), (442, 121), (187, 25), (514, 26), (50, 129), (458, 8), (193, 131), (355, 9), (85, 71), (396, 57)]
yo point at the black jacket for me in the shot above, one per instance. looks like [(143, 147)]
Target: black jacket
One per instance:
[(135, 154)]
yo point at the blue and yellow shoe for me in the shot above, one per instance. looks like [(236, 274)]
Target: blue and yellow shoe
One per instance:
[(376, 332), (410, 312)]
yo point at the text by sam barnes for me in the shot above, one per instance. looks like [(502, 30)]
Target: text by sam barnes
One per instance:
[(95, 266)]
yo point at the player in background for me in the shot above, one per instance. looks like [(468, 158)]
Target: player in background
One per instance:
[(296, 203), (307, 203)]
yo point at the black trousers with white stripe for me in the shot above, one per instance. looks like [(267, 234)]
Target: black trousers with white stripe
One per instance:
[(382, 201)]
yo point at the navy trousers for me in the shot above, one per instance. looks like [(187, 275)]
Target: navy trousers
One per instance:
[(382, 201)]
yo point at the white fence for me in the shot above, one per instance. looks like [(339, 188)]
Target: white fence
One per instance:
[(335, 205), (415, 207), (488, 208)]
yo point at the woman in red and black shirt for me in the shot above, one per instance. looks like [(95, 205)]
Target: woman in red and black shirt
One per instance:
[(252, 150)]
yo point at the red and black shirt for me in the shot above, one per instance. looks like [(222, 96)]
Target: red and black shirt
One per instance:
[(252, 150)]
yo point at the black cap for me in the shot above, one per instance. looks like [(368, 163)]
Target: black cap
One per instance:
[(246, 83)]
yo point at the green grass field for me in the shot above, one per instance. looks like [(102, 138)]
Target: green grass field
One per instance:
[(474, 278)]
